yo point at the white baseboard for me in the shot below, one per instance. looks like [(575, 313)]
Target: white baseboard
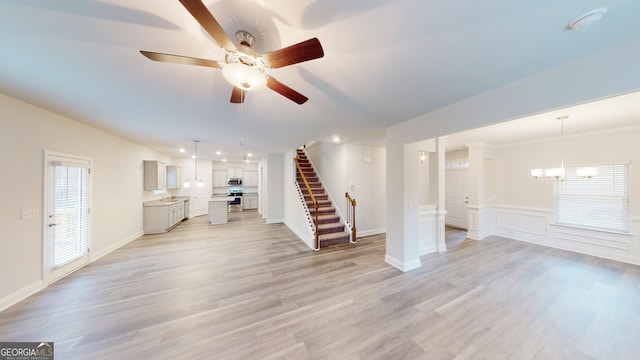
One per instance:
[(21, 294), (371, 232), (39, 285), (274, 221), (97, 255), (402, 266)]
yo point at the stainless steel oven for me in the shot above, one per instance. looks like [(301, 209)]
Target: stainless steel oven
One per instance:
[(235, 205)]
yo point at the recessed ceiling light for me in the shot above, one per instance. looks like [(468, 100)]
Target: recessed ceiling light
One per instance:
[(224, 160), (182, 150), (249, 155), (587, 19), (336, 139), (218, 153)]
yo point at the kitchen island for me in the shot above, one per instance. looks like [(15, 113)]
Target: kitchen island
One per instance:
[(219, 209)]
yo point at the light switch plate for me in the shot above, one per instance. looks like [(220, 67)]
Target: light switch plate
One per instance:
[(30, 214)]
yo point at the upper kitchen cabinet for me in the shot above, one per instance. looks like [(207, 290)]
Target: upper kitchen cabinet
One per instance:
[(219, 178), (250, 178), (154, 175), (235, 172), (174, 177)]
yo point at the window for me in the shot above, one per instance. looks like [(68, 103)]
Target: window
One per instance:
[(456, 164), (600, 203)]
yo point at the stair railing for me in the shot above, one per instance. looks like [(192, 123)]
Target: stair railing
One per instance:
[(351, 215), (315, 204)]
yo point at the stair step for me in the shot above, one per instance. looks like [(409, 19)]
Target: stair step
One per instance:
[(333, 239), (317, 196), (315, 190), (321, 204), (326, 219), (323, 211), (311, 179), (330, 228)]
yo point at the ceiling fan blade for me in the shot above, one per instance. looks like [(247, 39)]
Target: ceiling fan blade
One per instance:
[(179, 59), (238, 95), (204, 17), (304, 51), (285, 91)]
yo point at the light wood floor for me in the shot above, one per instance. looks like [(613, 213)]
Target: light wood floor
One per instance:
[(246, 290)]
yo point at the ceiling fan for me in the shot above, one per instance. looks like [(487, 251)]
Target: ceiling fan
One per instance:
[(243, 67)]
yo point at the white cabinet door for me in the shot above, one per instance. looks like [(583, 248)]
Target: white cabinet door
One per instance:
[(235, 173), (249, 202), (219, 178), (154, 175), (250, 178)]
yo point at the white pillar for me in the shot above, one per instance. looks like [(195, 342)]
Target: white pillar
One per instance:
[(441, 245), (403, 194)]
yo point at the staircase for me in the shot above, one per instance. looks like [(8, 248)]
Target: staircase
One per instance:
[(330, 229)]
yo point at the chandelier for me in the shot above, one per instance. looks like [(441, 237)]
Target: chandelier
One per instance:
[(559, 173)]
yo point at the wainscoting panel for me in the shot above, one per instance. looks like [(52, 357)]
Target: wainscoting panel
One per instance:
[(592, 238), (522, 222), (536, 226), (428, 229)]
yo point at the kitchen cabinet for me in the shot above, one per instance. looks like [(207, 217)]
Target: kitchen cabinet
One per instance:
[(250, 178), (235, 172), (250, 202), (161, 216), (174, 177), (219, 178), (154, 175)]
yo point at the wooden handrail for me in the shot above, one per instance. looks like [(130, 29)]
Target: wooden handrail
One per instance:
[(351, 216), (315, 203)]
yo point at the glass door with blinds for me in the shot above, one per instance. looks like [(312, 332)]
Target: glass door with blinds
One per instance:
[(68, 214)]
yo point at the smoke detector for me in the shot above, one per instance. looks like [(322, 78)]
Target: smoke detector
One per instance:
[(587, 19)]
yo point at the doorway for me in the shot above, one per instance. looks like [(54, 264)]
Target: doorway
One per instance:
[(67, 217), (456, 199)]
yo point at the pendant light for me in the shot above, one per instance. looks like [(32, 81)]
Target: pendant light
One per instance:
[(199, 183)]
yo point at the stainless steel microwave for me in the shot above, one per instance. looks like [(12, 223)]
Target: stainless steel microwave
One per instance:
[(234, 182)]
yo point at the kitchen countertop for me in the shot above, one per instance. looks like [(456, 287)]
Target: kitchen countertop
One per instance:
[(222, 198), (169, 201)]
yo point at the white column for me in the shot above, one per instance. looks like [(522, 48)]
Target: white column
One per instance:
[(403, 194), (441, 246)]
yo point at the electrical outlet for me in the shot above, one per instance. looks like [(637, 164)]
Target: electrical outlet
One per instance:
[(30, 214)]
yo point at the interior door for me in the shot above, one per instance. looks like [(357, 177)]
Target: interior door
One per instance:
[(68, 214), (455, 198)]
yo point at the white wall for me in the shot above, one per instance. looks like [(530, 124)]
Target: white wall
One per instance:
[(117, 189), (340, 166), (274, 188)]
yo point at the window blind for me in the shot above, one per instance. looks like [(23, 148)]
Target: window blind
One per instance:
[(601, 202), (70, 212)]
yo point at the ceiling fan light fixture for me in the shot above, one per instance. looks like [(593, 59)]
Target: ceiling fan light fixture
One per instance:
[(243, 76), (587, 19)]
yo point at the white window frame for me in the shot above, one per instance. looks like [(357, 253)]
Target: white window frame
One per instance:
[(600, 203)]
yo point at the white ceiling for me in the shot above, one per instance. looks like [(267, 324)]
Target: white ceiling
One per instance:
[(386, 61)]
